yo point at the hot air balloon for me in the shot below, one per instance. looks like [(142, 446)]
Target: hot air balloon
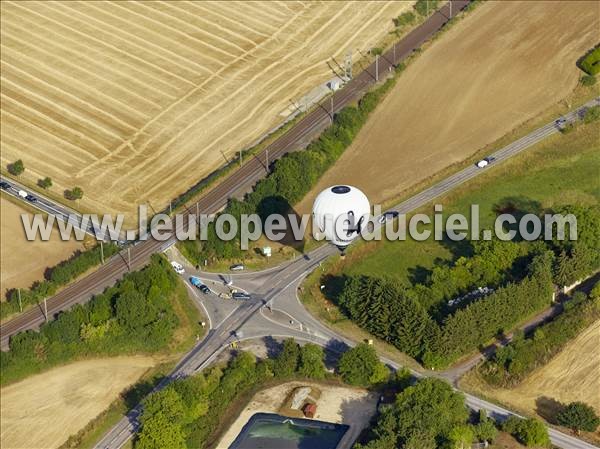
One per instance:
[(339, 213)]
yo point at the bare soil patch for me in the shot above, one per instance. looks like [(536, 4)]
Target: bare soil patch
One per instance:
[(44, 410), (506, 63)]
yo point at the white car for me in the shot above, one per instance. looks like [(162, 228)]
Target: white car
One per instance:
[(177, 267), (482, 163)]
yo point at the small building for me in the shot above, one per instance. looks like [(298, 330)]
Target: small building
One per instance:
[(309, 410), (334, 84)]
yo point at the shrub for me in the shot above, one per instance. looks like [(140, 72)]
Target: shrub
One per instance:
[(311, 361), (591, 114), (45, 183), (76, 193), (530, 432), (16, 168), (591, 62), (406, 18), (361, 366), (424, 7), (588, 80), (578, 416)]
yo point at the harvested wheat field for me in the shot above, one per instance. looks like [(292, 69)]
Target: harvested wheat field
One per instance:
[(573, 375), (503, 64), (44, 410), (137, 101), (337, 404), (23, 262)]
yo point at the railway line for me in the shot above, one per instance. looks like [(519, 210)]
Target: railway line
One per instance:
[(136, 256)]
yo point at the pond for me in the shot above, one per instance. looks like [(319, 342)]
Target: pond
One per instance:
[(271, 431)]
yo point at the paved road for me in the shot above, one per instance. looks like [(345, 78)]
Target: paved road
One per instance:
[(242, 180), (47, 205)]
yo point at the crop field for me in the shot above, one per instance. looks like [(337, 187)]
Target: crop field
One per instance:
[(504, 64), (136, 101), (23, 262), (570, 376), (44, 410)]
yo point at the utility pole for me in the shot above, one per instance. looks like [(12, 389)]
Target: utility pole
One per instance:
[(331, 116), (450, 8), (129, 258), (241, 163), (20, 304), (102, 252), (394, 54), (170, 207), (45, 309), (376, 67), (267, 159)]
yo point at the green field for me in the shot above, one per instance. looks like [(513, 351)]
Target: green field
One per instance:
[(558, 171)]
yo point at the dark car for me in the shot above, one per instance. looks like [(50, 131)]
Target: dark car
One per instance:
[(390, 215), (31, 198), (4, 185), (204, 289), (241, 296)]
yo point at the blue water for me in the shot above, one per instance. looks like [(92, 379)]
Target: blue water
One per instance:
[(271, 431)]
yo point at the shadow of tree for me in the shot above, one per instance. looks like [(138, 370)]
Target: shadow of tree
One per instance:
[(548, 408)]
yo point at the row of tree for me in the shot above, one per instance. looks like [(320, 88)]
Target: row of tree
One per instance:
[(418, 319), (18, 167), (178, 415), (135, 315), (291, 177), (56, 277), (513, 362)]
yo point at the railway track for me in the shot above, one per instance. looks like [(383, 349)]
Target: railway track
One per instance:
[(243, 178)]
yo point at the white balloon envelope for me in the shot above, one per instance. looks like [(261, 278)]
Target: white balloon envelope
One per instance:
[(339, 213)]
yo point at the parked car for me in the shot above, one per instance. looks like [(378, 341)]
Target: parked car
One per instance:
[(196, 281), (237, 267), (241, 296), (177, 267), (390, 215), (4, 185), (204, 289)]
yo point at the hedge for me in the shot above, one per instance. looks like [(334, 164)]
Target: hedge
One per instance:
[(590, 63), (60, 275)]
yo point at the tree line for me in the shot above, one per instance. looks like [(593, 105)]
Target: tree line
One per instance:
[(56, 277), (136, 315), (513, 362), (291, 177), (418, 319), (189, 411)]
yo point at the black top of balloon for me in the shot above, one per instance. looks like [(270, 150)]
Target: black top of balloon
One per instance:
[(340, 189)]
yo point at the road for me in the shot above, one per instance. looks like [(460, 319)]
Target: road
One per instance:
[(240, 181), (47, 205)]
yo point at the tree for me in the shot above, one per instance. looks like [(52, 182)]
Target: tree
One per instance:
[(579, 416), (530, 432), (161, 421), (16, 168), (311, 361), (286, 362), (461, 437), (76, 193), (361, 366), (431, 405), (45, 183), (485, 430)]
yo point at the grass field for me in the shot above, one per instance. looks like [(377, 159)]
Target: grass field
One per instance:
[(136, 101), (42, 411), (570, 376), (504, 64), (560, 170), (23, 262)]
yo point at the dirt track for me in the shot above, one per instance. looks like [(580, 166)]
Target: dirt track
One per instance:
[(44, 410), (504, 64), (23, 262), (136, 101)]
